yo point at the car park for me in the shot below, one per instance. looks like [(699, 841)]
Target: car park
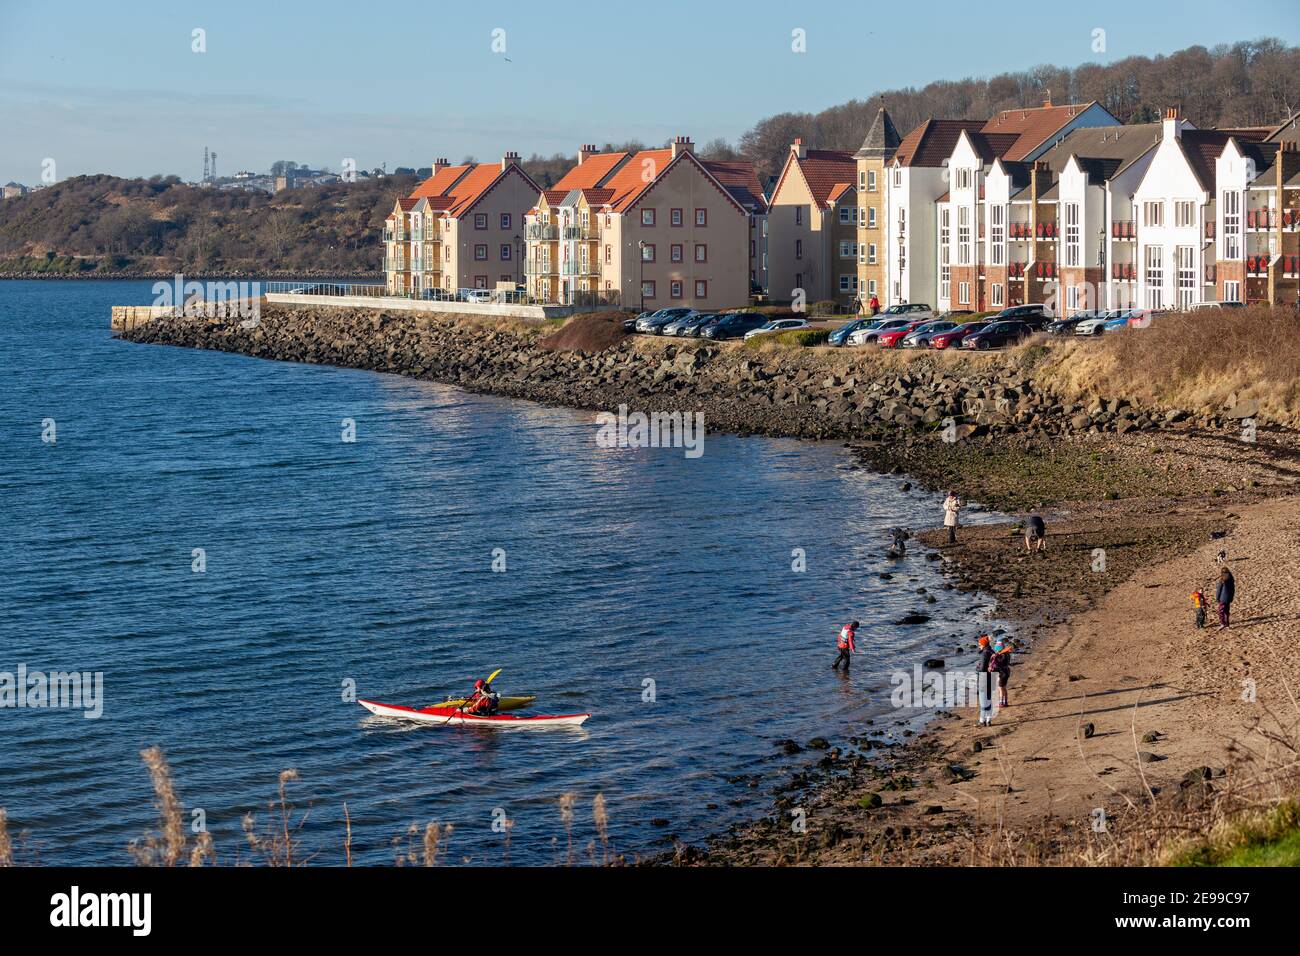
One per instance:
[(1096, 325), (891, 338), (1034, 314), (679, 325)]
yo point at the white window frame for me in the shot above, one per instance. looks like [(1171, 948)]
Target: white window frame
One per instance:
[(1073, 247)]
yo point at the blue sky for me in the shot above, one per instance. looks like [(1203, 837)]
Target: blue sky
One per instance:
[(116, 87)]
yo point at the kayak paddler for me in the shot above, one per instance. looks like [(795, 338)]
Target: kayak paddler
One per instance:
[(484, 701), (846, 645)]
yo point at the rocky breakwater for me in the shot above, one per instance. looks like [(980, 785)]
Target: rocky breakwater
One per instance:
[(789, 391)]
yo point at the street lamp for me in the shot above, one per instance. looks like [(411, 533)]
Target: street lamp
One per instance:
[(640, 244), (519, 259)]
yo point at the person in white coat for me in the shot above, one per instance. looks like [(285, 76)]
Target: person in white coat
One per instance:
[(951, 506)]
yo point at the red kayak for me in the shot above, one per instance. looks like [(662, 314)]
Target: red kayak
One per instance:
[(450, 716)]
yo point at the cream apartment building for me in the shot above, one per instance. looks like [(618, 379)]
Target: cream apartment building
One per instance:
[(462, 228)]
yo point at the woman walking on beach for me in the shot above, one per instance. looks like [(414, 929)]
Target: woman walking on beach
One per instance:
[(951, 506), (1224, 595)]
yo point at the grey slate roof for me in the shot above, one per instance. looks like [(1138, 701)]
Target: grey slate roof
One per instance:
[(882, 139)]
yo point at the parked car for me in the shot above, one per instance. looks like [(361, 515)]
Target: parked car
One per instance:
[(478, 295), (891, 338), (1118, 323), (1034, 314), (629, 325), (908, 310), (869, 334), (953, 338), (1096, 325), (706, 319), (998, 334), (654, 322), (1142, 318), (777, 325), (840, 336), (734, 325), (919, 337), (1066, 326), (678, 325), (1218, 305)]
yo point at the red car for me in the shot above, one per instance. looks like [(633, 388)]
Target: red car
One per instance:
[(890, 339), (953, 337)]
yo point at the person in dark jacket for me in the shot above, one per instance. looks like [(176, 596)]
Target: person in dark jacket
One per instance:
[(1224, 594), (985, 676)]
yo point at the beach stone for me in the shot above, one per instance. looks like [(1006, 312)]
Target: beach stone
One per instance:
[(871, 801), (819, 743), (1089, 730)]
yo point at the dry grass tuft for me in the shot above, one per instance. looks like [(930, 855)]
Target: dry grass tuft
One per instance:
[(168, 847), (6, 847)]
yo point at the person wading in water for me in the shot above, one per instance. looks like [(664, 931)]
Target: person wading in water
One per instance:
[(846, 645)]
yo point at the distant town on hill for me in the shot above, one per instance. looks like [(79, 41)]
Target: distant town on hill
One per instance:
[(297, 219)]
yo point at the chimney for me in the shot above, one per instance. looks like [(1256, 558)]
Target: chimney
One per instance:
[(585, 151), (682, 144), (439, 164), (797, 148), (1172, 126), (508, 160), (1288, 164)]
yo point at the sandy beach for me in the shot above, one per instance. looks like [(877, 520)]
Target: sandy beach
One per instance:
[(1117, 701)]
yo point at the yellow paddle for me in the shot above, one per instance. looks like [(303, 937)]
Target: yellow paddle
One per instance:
[(493, 675)]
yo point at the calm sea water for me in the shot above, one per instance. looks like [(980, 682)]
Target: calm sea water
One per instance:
[(331, 563)]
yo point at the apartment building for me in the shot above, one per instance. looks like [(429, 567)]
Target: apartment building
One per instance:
[(973, 237), (647, 230), (462, 228), (876, 152), (1257, 223), (1046, 234), (1175, 210), (813, 228)]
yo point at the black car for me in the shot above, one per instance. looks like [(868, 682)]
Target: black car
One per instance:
[(734, 325), (1066, 326), (1034, 315), (997, 334)]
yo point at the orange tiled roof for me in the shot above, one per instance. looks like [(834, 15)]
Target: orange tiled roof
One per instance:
[(591, 172), (825, 170), (455, 189), (407, 204), (440, 183), (628, 182)]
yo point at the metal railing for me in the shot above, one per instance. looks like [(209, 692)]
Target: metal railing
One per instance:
[(539, 231)]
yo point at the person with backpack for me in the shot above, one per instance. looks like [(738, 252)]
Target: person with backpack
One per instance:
[(846, 645)]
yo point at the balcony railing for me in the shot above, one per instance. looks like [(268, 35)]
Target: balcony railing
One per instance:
[(1015, 270), (1124, 271), (1045, 230), (1291, 218), (1123, 229), (1291, 266), (537, 230), (1209, 229), (540, 269), (1045, 270), (1209, 273), (577, 268), (1257, 265), (1260, 219), (1020, 230), (580, 232)]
